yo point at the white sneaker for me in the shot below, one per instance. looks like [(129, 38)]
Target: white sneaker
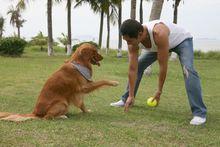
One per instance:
[(197, 120), (118, 104)]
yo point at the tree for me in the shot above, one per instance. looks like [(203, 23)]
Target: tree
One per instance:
[(69, 40), (2, 22), (97, 7), (141, 11), (133, 9), (119, 54), (39, 40), (16, 19), (68, 47), (111, 17), (156, 9), (105, 7), (50, 50), (64, 40), (175, 12)]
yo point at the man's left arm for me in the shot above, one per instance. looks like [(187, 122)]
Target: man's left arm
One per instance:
[(161, 33)]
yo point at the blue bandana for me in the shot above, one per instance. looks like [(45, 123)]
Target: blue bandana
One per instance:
[(85, 72)]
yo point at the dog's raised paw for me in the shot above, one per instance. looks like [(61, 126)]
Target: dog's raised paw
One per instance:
[(114, 83)]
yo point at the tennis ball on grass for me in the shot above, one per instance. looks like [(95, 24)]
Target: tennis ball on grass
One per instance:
[(151, 102)]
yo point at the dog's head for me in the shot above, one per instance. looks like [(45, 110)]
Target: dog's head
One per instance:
[(87, 53)]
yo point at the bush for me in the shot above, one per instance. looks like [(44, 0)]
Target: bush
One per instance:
[(12, 46), (207, 55), (77, 45)]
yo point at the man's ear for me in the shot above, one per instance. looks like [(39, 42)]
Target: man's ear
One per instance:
[(140, 34)]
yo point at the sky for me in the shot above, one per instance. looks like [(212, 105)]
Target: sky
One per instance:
[(200, 17)]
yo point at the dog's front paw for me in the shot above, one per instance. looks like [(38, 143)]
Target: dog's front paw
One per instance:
[(114, 83), (87, 111)]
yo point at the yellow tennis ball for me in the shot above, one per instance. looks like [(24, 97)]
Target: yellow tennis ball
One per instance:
[(151, 103)]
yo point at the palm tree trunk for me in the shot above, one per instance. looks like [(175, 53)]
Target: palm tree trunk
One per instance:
[(175, 12), (69, 49), (133, 9), (1, 33), (108, 32), (141, 11), (18, 32), (156, 9), (49, 27), (119, 34), (101, 28)]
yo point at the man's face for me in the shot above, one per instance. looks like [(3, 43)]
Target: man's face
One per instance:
[(133, 41)]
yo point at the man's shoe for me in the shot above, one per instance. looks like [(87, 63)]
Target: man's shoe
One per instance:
[(197, 120), (120, 103)]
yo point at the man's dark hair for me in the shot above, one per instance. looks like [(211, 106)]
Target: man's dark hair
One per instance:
[(131, 28)]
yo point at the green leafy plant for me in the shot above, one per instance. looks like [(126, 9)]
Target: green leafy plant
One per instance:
[(12, 46)]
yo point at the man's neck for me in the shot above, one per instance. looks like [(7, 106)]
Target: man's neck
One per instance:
[(146, 38)]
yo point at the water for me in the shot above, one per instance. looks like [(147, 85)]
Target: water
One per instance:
[(203, 44)]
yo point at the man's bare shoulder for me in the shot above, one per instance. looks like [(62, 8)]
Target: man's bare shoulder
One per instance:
[(160, 30), (161, 33)]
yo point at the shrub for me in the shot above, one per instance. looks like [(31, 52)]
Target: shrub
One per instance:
[(12, 46), (207, 55), (77, 45)]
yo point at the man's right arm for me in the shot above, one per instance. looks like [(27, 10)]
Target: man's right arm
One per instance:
[(132, 74)]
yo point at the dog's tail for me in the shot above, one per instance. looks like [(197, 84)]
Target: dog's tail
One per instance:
[(16, 117)]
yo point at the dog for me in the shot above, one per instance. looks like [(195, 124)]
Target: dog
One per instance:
[(66, 86)]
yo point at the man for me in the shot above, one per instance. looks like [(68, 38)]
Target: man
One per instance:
[(159, 38)]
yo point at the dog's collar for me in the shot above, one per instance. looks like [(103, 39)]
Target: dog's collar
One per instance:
[(84, 71)]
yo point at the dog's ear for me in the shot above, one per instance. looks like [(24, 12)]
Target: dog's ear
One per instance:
[(85, 52)]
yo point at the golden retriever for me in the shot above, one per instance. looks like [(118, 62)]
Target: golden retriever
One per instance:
[(66, 86)]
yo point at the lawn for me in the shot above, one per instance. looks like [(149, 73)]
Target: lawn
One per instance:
[(21, 80)]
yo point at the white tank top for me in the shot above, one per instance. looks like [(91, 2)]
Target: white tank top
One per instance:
[(176, 36)]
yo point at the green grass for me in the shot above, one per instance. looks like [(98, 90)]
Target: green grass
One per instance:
[(21, 80)]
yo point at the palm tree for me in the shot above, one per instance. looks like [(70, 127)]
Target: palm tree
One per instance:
[(133, 9), (69, 34), (50, 51), (16, 19), (2, 22), (175, 12), (64, 40), (39, 40), (101, 28), (111, 17), (21, 5), (141, 11), (119, 54), (97, 7), (69, 40), (156, 9), (105, 7)]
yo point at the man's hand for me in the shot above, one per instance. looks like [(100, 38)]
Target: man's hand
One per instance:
[(129, 103), (157, 97)]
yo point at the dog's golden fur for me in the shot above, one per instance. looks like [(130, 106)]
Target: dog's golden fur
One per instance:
[(65, 87)]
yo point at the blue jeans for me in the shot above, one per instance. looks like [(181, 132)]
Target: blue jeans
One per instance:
[(192, 81)]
